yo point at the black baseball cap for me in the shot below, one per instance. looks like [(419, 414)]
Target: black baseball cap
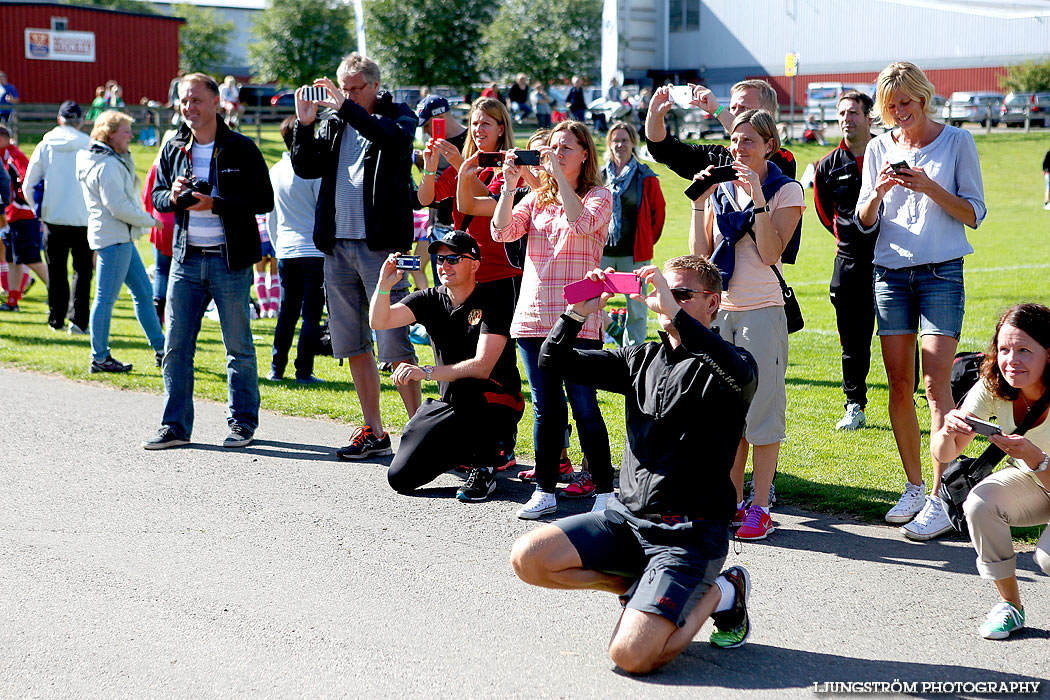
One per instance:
[(458, 242), (70, 110)]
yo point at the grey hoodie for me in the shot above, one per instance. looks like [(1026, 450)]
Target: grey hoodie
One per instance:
[(115, 212), (54, 162)]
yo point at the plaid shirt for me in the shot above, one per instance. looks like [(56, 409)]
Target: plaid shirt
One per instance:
[(558, 252)]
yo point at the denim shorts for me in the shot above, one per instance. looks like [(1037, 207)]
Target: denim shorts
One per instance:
[(927, 299)]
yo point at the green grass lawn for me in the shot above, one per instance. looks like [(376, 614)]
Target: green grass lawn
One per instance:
[(857, 473)]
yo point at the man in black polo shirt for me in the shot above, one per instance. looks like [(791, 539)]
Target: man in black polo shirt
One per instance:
[(476, 371), (660, 546)]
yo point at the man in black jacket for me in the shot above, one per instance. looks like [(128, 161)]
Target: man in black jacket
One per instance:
[(661, 546), (362, 151), (215, 181), (835, 191)]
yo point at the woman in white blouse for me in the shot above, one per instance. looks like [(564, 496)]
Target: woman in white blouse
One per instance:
[(921, 186), (1014, 375)]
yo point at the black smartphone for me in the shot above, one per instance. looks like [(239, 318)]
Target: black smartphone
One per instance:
[(897, 167), (407, 262), (526, 157), (720, 173), (982, 427), (490, 159)]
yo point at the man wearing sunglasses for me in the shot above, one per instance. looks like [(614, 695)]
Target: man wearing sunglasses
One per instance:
[(661, 546), (476, 372)]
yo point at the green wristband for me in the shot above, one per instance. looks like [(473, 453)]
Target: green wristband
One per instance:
[(380, 291), (427, 172), (719, 110)]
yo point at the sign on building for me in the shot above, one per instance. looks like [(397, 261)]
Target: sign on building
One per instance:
[(46, 45)]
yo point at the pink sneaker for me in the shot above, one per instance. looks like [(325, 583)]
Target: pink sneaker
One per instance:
[(739, 518), (582, 486), (757, 525), (564, 469)]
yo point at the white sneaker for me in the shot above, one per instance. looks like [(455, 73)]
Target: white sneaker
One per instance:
[(853, 419), (603, 501), (911, 502), (1046, 206), (931, 522), (541, 503)]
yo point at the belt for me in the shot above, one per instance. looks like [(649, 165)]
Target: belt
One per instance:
[(210, 250), (670, 519)]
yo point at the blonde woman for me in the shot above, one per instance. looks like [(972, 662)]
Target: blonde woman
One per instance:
[(115, 219)]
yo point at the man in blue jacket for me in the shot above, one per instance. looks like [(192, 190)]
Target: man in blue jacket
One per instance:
[(216, 181), (361, 148)]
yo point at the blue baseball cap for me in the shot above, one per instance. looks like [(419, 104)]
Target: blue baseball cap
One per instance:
[(431, 106)]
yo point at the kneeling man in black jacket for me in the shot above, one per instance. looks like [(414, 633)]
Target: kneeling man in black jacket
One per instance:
[(661, 546)]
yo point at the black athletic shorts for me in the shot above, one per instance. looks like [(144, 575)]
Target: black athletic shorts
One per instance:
[(672, 565), (23, 241)]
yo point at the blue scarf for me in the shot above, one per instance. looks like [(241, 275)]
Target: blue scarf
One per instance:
[(734, 225), (618, 184)]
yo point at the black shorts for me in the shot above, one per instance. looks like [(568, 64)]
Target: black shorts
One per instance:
[(23, 241), (672, 566)]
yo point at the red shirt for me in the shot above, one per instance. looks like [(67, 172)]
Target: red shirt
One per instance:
[(19, 209), (495, 263)]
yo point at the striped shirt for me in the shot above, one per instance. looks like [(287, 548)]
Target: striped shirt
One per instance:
[(349, 181), (559, 252), (205, 228)]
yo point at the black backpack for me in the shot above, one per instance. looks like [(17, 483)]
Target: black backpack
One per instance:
[(966, 368)]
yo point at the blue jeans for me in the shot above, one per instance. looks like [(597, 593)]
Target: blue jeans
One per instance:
[(160, 274), (929, 299), (550, 415), (191, 285), (302, 294), (120, 264)]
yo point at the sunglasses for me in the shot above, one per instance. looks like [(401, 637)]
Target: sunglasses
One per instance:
[(681, 294), (451, 259)]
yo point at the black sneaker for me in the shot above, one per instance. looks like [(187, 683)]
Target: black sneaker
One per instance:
[(239, 437), (7, 306), (733, 626), (309, 380), (159, 358), (163, 439), (365, 443), (110, 365), (480, 485)]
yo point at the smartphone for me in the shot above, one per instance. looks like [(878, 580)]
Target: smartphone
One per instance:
[(526, 157), (720, 173), (437, 127), (407, 262), (615, 283), (983, 427), (490, 159), (315, 94), (681, 95), (897, 167)]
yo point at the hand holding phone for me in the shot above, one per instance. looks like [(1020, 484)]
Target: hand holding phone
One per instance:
[(314, 94), (406, 262), (897, 167), (490, 159), (681, 95), (982, 427), (526, 157), (614, 283)]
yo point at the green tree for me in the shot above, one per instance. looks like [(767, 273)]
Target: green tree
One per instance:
[(202, 40), (297, 41), (545, 39), (437, 42), (140, 6), (1032, 75)]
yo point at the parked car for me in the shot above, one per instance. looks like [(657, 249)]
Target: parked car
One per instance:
[(937, 104), (972, 107), (1014, 107)]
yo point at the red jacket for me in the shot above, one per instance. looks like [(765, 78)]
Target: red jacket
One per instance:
[(160, 238), (650, 218)]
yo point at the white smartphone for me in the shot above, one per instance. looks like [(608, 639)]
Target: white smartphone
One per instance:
[(315, 94), (681, 95)]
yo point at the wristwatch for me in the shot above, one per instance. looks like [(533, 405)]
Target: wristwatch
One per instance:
[(1042, 465), (429, 369), (763, 208), (576, 316)]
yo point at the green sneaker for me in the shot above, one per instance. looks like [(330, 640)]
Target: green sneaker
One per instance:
[(1003, 620), (733, 626)]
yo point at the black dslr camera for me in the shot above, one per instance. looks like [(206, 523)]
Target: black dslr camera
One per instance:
[(186, 199)]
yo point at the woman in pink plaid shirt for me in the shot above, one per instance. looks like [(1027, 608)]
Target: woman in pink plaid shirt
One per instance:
[(567, 222)]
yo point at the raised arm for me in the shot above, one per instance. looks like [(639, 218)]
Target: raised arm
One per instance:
[(381, 315)]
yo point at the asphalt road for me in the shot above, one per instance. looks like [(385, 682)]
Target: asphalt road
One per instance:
[(277, 571)]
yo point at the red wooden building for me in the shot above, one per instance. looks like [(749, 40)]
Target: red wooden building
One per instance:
[(53, 52)]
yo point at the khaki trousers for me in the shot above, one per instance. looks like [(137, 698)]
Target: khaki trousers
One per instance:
[(1009, 497)]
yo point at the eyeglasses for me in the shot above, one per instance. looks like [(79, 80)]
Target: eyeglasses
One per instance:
[(451, 259), (681, 294)]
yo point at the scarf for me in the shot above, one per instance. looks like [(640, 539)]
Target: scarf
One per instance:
[(618, 184)]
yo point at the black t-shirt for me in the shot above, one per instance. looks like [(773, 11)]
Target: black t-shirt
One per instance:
[(628, 220), (518, 94), (455, 332)]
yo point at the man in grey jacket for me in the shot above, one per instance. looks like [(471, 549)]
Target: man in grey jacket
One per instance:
[(64, 214)]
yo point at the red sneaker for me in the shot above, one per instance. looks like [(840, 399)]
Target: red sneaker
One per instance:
[(582, 486), (757, 525), (564, 469), (739, 518)]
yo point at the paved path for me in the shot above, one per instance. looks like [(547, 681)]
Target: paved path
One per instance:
[(276, 571)]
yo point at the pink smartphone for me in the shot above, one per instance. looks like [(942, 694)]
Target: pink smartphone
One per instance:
[(615, 283)]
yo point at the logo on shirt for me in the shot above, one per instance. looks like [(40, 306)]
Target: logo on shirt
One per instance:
[(474, 317)]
